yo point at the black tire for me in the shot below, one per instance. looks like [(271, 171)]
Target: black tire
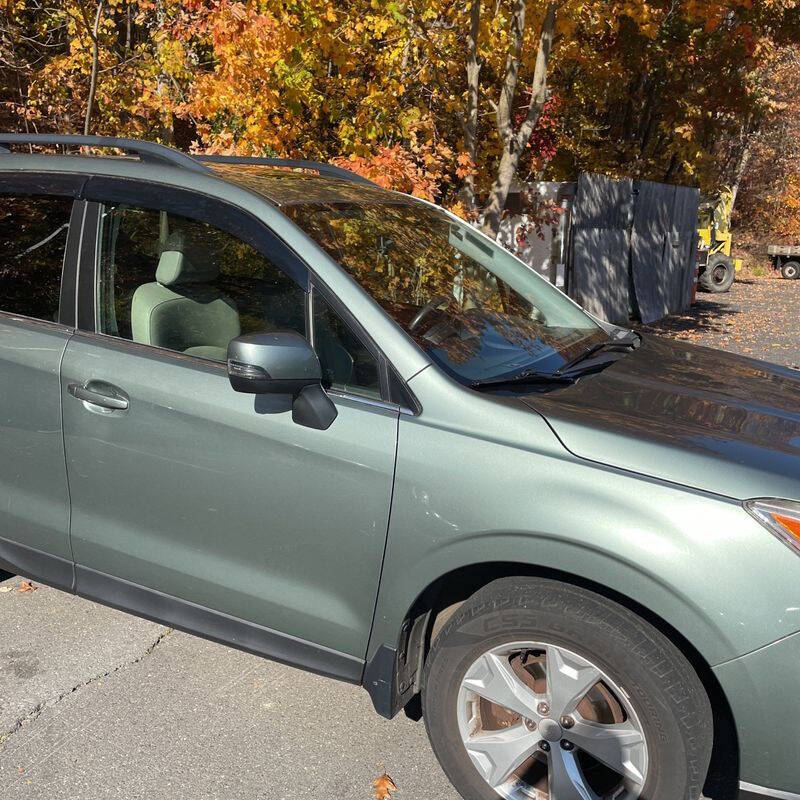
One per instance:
[(668, 697), (790, 270), (719, 274)]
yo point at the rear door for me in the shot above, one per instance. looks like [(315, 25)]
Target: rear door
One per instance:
[(40, 222), (191, 503)]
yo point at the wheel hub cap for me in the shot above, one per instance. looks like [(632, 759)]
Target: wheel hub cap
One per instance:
[(550, 730), (509, 706)]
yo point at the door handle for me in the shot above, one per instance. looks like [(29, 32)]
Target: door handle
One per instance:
[(110, 397)]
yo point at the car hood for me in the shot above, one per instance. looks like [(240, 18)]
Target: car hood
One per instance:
[(699, 417)]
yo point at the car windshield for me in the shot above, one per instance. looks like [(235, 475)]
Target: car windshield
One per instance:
[(478, 311)]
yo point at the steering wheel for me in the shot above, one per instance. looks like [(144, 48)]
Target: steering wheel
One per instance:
[(427, 308)]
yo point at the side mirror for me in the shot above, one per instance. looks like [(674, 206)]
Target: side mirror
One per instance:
[(284, 363)]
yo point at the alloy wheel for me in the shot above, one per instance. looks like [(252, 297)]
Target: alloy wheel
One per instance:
[(540, 722)]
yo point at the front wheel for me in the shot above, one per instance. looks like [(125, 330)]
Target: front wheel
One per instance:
[(790, 270), (719, 274), (538, 690)]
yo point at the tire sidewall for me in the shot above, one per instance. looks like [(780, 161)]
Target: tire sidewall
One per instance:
[(793, 265), (632, 660), (714, 261)]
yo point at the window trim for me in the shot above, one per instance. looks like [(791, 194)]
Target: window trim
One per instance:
[(101, 190), (203, 207), (43, 184)]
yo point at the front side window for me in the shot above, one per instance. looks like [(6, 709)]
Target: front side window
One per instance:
[(478, 311), (346, 362), (174, 282), (33, 237)]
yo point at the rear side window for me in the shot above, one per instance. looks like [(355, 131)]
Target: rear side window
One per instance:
[(33, 237)]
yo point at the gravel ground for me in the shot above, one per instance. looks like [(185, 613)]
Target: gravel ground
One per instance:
[(95, 703), (759, 317)]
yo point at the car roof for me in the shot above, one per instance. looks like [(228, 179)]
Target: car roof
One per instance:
[(289, 187)]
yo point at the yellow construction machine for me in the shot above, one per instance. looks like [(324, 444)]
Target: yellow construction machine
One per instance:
[(717, 267)]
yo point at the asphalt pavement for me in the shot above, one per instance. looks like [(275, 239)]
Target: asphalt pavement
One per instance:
[(95, 704)]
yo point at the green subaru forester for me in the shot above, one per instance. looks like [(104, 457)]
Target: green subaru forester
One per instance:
[(274, 405)]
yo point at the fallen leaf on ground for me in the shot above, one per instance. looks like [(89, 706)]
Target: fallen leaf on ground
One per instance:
[(384, 787), (26, 587)]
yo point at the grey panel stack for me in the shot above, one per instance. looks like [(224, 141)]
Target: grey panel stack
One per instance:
[(684, 220), (662, 248), (633, 248), (602, 215), (651, 246)]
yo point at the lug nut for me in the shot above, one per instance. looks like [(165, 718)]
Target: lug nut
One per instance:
[(545, 746), (567, 722), (543, 709), (530, 724), (565, 745)]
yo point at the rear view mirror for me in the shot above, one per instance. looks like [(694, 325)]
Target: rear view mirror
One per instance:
[(284, 363)]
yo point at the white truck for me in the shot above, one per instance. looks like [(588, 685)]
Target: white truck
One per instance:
[(785, 259)]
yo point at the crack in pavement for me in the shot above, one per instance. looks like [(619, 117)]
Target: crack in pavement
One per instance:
[(39, 709)]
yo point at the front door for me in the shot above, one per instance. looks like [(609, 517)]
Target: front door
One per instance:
[(34, 503), (209, 509)]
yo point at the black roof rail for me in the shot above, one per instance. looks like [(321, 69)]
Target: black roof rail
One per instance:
[(148, 152), (323, 169)]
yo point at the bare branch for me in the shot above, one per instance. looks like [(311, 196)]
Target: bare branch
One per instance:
[(506, 104), (95, 57), (470, 120), (514, 143), (539, 85)]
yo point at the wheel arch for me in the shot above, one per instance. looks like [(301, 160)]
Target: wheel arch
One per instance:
[(441, 597)]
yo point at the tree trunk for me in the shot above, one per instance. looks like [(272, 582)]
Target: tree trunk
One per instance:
[(471, 116), (741, 167), (749, 130), (514, 142), (87, 121)]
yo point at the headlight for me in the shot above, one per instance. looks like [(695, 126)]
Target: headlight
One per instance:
[(780, 517)]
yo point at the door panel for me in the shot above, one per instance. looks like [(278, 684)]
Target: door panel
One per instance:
[(39, 237), (220, 499), (34, 504)]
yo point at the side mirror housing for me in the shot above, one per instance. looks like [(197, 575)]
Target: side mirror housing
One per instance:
[(283, 363)]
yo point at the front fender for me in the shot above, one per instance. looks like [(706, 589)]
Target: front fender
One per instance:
[(696, 560)]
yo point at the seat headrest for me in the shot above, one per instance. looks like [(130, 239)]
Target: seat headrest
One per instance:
[(176, 266)]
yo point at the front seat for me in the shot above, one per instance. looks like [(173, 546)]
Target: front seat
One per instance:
[(181, 310)]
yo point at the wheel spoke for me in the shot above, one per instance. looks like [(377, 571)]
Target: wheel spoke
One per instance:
[(565, 778), (569, 678), (620, 747), (492, 678), (497, 754)]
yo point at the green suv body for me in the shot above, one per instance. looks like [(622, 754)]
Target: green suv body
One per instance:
[(338, 427)]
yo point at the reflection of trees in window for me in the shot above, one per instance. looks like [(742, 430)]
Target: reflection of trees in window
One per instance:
[(33, 235), (405, 260)]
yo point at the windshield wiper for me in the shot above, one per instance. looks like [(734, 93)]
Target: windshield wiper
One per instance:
[(567, 373), (528, 376), (629, 342)]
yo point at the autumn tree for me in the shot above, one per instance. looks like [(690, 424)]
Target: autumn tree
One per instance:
[(770, 196), (456, 102)]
